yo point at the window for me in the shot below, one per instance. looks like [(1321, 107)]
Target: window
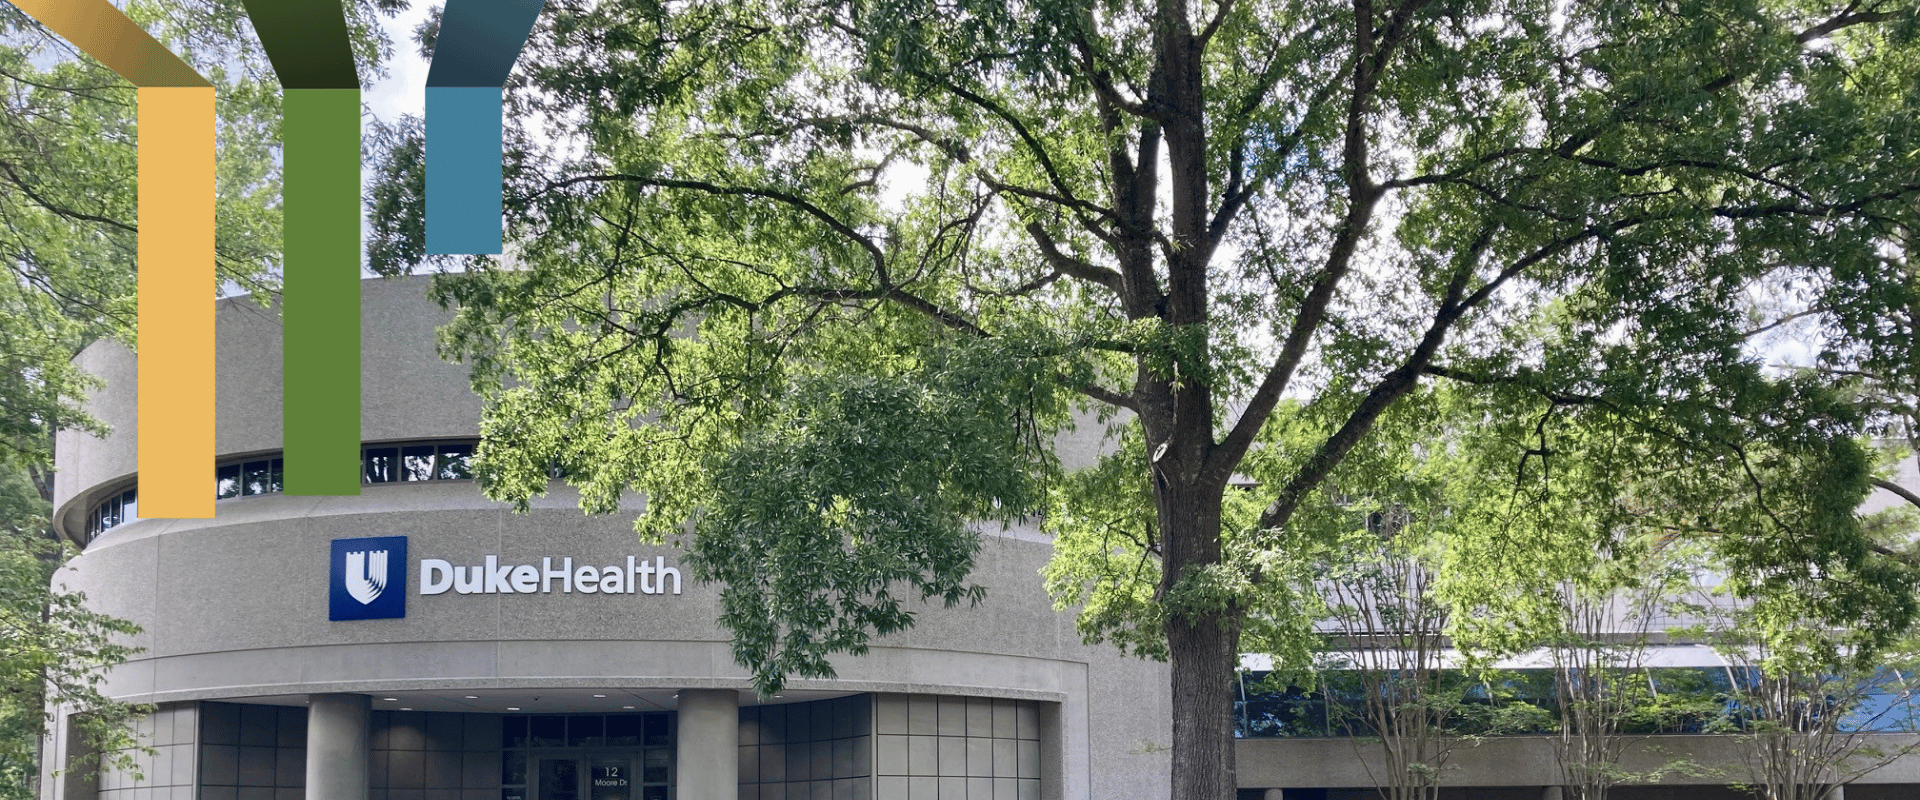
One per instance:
[(380, 464), (122, 507), (416, 463), (226, 482), (451, 461), (455, 462), (447, 461)]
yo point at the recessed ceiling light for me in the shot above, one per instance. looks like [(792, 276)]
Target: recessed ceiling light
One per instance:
[(626, 706), (513, 708), (473, 697), (391, 699), (406, 709), (599, 695)]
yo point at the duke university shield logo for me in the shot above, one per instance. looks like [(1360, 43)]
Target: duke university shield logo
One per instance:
[(368, 579)]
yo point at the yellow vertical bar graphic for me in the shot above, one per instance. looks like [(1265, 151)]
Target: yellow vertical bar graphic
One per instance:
[(176, 309)]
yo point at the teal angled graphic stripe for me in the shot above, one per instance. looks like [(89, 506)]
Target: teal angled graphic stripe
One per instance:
[(479, 41)]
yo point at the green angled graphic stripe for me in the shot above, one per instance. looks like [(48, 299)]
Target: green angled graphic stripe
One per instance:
[(307, 42), (321, 304)]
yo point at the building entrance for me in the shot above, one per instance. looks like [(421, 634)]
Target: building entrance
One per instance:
[(587, 757), (598, 777)]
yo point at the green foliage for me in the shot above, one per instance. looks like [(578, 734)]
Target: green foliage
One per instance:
[(1254, 237), (865, 491), (53, 650)]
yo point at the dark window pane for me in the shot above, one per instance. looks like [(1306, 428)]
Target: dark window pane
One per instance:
[(416, 463), (129, 506), (255, 476), (657, 729), (657, 793), (513, 732), (559, 779), (110, 513), (276, 476), (654, 768), (93, 521), (455, 462), (226, 482), (513, 766), (382, 464), (547, 732), (623, 730), (514, 793), (586, 731)]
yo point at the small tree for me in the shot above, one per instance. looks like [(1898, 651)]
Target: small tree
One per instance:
[(1810, 717), (1599, 666), (1812, 733), (1391, 681)]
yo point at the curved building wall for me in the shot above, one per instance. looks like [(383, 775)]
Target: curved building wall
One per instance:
[(235, 609)]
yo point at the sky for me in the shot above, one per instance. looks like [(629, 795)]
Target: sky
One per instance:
[(404, 91)]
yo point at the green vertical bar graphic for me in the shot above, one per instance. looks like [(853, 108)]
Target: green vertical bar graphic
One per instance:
[(321, 313)]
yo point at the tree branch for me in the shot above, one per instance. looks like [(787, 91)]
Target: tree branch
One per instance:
[(1845, 19), (800, 203), (1109, 396), (1069, 265), (1900, 491), (14, 178)]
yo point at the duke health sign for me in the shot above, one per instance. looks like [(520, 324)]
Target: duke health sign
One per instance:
[(368, 579)]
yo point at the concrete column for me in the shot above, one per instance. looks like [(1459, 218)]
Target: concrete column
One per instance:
[(1552, 793), (709, 745), (337, 742), (1838, 793), (1053, 752)]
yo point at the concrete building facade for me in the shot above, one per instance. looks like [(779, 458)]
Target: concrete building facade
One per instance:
[(594, 670), (420, 642)]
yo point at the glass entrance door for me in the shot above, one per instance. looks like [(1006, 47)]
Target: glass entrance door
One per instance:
[(557, 779), (589, 778)]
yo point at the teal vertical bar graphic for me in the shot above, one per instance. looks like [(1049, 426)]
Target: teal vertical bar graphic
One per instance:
[(321, 311), (479, 41), (463, 169)]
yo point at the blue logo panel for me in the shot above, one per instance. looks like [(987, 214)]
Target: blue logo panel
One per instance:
[(368, 579)]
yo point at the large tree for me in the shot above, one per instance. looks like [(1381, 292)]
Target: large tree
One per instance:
[(755, 240)]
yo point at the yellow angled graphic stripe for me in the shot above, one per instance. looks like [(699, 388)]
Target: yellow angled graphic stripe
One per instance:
[(175, 250), (100, 30)]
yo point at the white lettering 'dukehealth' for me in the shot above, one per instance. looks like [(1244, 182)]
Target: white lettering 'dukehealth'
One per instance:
[(438, 576)]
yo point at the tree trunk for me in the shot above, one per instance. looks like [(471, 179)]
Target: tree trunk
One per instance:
[(1203, 651), (1198, 652)]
